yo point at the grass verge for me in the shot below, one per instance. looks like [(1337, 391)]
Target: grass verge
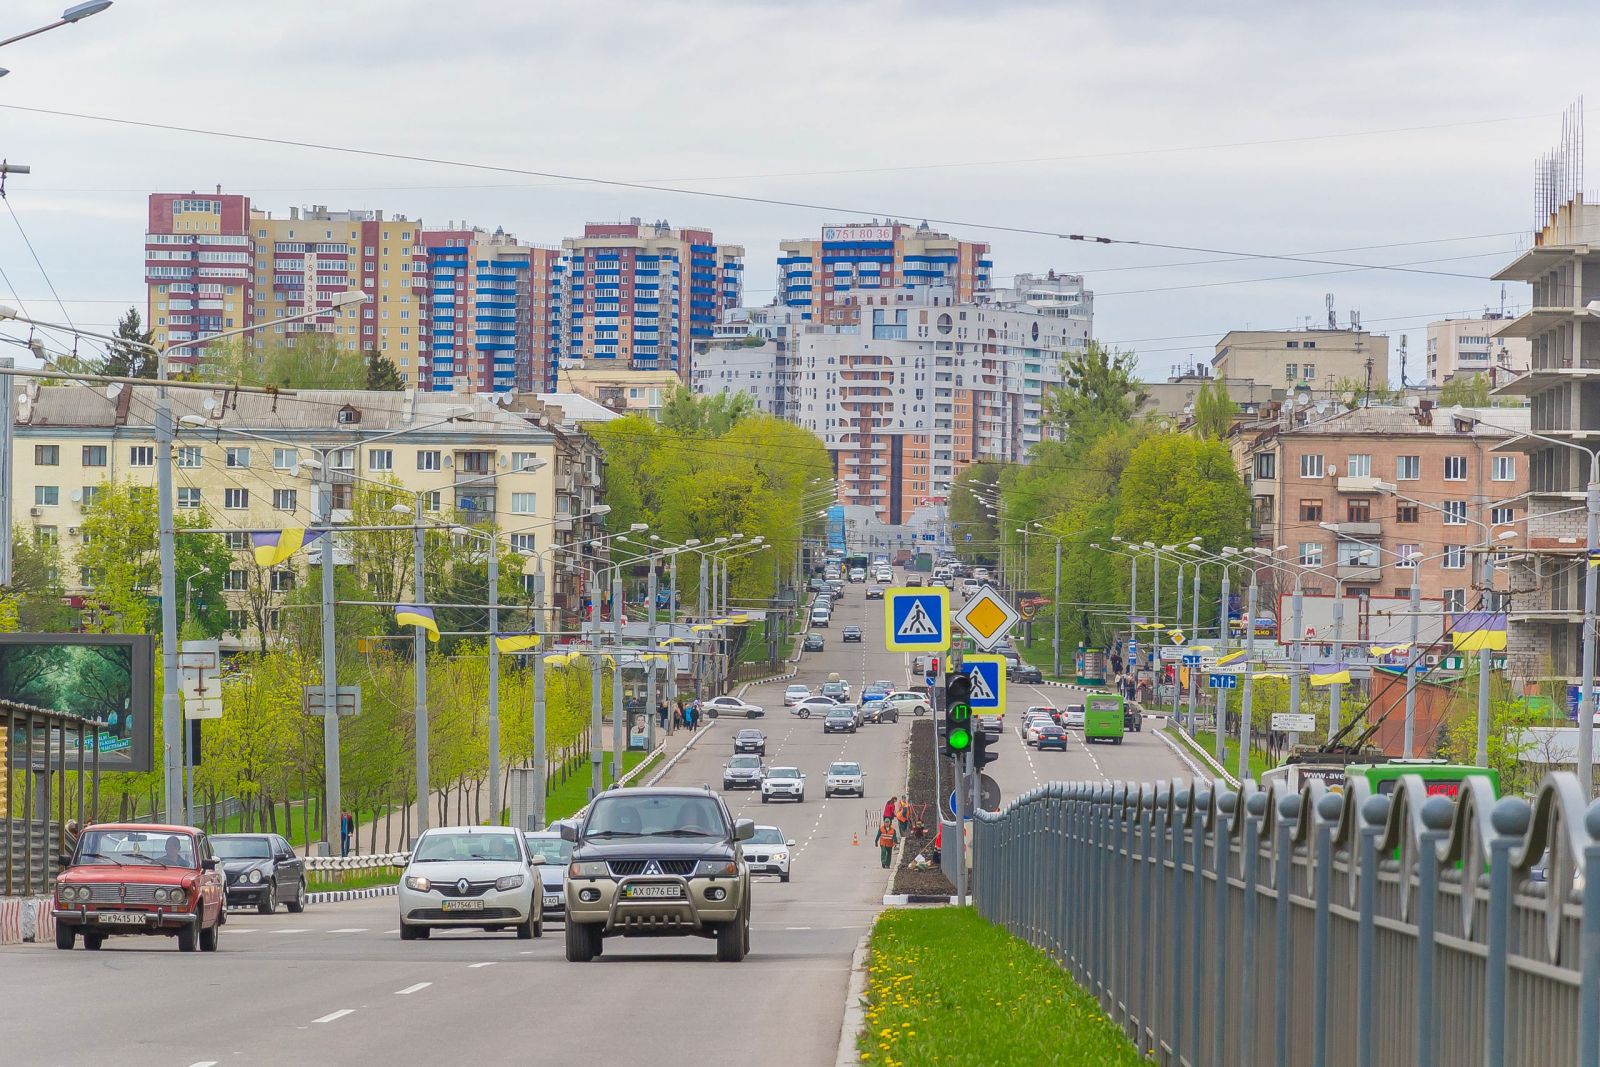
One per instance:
[(947, 988), (1205, 739), (566, 798), (357, 879)]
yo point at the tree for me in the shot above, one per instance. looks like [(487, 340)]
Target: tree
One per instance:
[(127, 358), (972, 529), (1099, 385), (35, 601), (309, 361), (709, 416), (382, 374), (1466, 390), (1214, 411)]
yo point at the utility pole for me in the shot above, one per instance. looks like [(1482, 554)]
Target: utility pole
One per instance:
[(1056, 603), (596, 748), (540, 760), (171, 713), (1220, 726), (1411, 662), (419, 650), (1482, 756), (650, 668), (494, 679), (1249, 681), (333, 805), (619, 737), (7, 429)]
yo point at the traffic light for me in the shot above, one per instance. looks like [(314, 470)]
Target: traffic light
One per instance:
[(980, 750), (957, 715), (933, 666)]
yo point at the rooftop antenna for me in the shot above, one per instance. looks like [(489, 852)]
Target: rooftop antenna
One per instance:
[(1355, 319), (1403, 383), (1333, 320)]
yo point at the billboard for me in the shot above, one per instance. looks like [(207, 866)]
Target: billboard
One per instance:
[(1368, 620), (107, 677)]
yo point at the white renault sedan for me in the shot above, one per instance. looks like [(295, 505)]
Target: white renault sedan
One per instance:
[(470, 876)]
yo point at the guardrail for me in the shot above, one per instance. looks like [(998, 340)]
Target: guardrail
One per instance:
[(1249, 927), (336, 864)]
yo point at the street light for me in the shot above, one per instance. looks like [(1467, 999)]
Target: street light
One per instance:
[(75, 13)]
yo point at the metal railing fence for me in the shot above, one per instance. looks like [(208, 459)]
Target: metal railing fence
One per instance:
[(1254, 927)]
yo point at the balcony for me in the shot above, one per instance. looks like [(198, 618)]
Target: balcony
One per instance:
[(1362, 483), (1358, 572), (1357, 529)]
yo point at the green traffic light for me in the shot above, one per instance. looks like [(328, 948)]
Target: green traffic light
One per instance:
[(959, 739)]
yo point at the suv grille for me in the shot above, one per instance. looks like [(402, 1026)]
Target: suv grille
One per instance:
[(633, 868)]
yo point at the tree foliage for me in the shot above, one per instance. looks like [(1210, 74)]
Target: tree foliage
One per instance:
[(1100, 387), (382, 374), (1214, 410), (692, 415), (308, 361), (1465, 390)]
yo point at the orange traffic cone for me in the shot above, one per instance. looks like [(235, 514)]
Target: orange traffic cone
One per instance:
[(854, 840)]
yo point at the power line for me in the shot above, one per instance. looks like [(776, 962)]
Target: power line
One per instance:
[(43, 273)]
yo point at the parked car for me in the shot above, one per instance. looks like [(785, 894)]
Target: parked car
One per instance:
[(970, 586), (783, 783), (260, 870), (836, 586), (815, 705), (841, 719), (768, 852), (812, 643), (816, 585), (851, 634), (727, 705), (820, 616), (750, 740), (875, 592), (844, 778), (557, 854), (136, 878), (795, 694), (1052, 737), (879, 711), (742, 772), (478, 876)]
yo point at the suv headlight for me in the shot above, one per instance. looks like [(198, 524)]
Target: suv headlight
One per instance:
[(713, 868), (419, 883), (589, 870), (780, 857), (510, 881)]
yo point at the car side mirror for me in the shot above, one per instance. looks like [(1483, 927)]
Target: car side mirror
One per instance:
[(399, 863), (208, 865), (535, 861), (569, 832), (790, 842), (744, 829)]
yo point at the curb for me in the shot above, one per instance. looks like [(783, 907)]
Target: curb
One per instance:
[(1185, 748), (678, 755), (854, 1013), (334, 896)]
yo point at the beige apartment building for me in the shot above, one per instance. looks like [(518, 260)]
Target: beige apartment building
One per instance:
[(242, 458), (1315, 359), (1368, 493), (627, 392), (1470, 346)]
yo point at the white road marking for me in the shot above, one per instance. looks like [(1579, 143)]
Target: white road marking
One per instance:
[(295, 930), (244, 930), (391, 931), (408, 990), (485, 963), (797, 927), (204, 1063), (332, 1015), (349, 930)]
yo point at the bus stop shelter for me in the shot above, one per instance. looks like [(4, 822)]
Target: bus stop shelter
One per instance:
[(41, 750)]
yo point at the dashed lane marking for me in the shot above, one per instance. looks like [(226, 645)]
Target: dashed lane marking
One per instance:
[(410, 989), (332, 1015), (294, 930), (485, 963), (349, 930)]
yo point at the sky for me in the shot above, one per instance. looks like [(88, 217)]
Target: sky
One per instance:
[(1307, 130)]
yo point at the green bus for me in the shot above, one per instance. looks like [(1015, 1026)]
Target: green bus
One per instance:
[(1439, 777), (1102, 718)]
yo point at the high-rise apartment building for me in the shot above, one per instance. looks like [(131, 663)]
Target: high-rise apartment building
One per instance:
[(815, 273), (640, 294), (1469, 346), (198, 254), (491, 321)]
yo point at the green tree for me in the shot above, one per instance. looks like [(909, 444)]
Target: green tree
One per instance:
[(382, 374), (705, 416), (1466, 390), (1214, 410), (309, 361), (127, 357), (1099, 385), (35, 601)]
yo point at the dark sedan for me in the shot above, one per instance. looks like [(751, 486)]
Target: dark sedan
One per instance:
[(813, 643), (260, 869), (750, 741), (1052, 737), (1026, 673), (851, 633)]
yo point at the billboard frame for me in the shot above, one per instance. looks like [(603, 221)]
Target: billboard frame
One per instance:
[(141, 692)]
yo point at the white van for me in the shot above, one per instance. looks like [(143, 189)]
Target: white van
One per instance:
[(820, 616)]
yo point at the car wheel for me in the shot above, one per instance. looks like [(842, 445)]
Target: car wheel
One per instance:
[(764, 798), (408, 932), (67, 936), (269, 903), (92, 941), (783, 876), (525, 930), (189, 937), (805, 713), (711, 713), (582, 944), (733, 940), (298, 904), (827, 795), (801, 799), (208, 936)]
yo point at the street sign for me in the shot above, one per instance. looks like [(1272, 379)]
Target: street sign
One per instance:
[(988, 796), (200, 679), (1222, 681), (988, 674), (346, 700), (1171, 653), (916, 619), (1191, 659), (1293, 723), (987, 617)]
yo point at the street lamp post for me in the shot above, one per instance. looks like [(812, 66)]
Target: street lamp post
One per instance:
[(73, 14)]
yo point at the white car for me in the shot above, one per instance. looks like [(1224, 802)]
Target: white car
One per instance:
[(844, 778), (794, 695), (1073, 716), (730, 706), (817, 705), (768, 852), (477, 876), (884, 577), (783, 783), (1030, 729), (907, 702)]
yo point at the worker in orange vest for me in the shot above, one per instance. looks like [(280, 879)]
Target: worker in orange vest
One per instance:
[(886, 841)]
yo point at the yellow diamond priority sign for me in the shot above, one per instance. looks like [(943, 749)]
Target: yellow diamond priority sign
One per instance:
[(987, 617)]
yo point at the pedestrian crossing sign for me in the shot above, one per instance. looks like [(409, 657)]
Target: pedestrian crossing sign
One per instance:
[(916, 619), (988, 674)]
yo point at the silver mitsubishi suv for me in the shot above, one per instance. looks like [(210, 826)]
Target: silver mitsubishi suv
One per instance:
[(657, 863)]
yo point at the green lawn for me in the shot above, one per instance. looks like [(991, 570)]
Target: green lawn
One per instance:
[(567, 797), (357, 879), (755, 648), (1259, 764), (946, 987), (1041, 655)]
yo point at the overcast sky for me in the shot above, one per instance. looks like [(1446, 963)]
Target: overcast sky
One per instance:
[(1250, 127)]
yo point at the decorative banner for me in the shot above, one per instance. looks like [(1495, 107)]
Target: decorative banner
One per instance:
[(417, 615), (516, 642), (1340, 676), (701, 627), (1479, 631), (1230, 657), (1389, 650), (1259, 675), (272, 547)]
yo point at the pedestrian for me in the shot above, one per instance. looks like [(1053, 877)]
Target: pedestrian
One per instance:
[(886, 842), (69, 841), (677, 717), (691, 715), (347, 826), (889, 806), (902, 814), (661, 713)]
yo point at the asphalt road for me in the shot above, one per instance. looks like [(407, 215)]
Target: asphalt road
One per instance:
[(336, 984)]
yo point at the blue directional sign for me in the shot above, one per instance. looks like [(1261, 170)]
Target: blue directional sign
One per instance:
[(1191, 659), (916, 619), (988, 675), (1222, 681)]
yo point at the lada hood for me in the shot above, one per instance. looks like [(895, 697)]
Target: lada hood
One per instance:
[(145, 874)]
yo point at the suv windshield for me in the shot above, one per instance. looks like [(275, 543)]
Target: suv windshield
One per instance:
[(766, 835), (655, 816), (553, 849), (241, 848), (445, 847), (783, 772), (745, 762), (845, 768), (148, 848)]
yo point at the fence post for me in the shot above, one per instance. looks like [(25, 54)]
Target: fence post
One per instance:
[(1221, 835), (1180, 916), (1437, 814), (1255, 806), (1283, 884), (1374, 818), (1197, 906), (1509, 818), (1126, 807), (1589, 944), (1145, 971), (1327, 815)]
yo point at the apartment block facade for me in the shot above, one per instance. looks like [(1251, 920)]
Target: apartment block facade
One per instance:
[(816, 273), (1470, 346), (492, 320), (1314, 359), (198, 264)]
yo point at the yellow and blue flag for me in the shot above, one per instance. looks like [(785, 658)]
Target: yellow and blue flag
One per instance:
[(1479, 631), (1230, 657), (417, 615), (515, 642), (1330, 674), (272, 547)]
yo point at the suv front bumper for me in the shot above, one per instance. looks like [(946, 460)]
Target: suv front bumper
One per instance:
[(691, 912)]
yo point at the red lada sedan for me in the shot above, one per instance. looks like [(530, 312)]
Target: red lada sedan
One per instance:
[(140, 879)]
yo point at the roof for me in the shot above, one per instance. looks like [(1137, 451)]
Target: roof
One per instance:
[(577, 408), (1396, 420)]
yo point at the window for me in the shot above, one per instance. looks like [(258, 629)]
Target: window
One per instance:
[(1455, 468), (285, 459), (521, 460), (1357, 466), (94, 455), (91, 496), (90, 576), (343, 459), (1455, 600), (380, 459), (1309, 371), (238, 542), (47, 455), (1356, 554), (1503, 516), (430, 501), (1310, 511), (1455, 512), (282, 580), (523, 543), (46, 496), (1407, 468), (236, 499), (1407, 555), (1291, 371), (1504, 469), (45, 535), (1311, 466), (188, 496), (235, 581), (1267, 465), (524, 503), (188, 456), (1408, 513), (1455, 557), (284, 499), (238, 620), (1310, 554), (142, 456), (238, 457)]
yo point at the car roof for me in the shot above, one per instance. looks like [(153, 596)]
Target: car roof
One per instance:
[(154, 828), (470, 830), (749, 730), (785, 767)]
